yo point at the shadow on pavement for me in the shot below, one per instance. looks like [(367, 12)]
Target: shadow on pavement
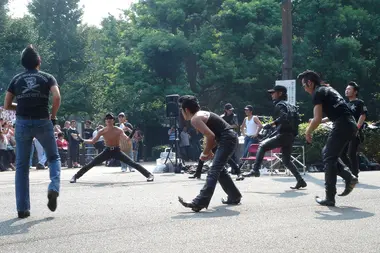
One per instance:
[(17, 226), (220, 211), (343, 213), (285, 194)]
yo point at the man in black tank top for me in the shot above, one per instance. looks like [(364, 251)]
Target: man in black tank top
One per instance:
[(284, 137), (217, 133), (328, 101)]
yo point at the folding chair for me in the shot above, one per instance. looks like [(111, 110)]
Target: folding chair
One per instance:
[(294, 158), (252, 150), (251, 157)]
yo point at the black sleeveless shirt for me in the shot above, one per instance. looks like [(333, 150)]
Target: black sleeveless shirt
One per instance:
[(217, 125)]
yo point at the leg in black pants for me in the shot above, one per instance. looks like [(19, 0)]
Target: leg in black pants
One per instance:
[(107, 154), (350, 155), (285, 141), (234, 167), (338, 138), (217, 173)]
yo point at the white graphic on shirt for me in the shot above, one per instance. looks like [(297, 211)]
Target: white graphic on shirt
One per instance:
[(31, 84), (353, 107)]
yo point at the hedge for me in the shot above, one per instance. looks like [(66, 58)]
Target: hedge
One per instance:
[(313, 151)]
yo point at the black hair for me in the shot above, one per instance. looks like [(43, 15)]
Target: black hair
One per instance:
[(189, 102), (310, 75), (284, 96), (355, 86), (30, 58)]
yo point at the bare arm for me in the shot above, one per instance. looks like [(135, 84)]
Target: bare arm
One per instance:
[(198, 123), (316, 120), (258, 123), (361, 120), (124, 136), (56, 100), (8, 105)]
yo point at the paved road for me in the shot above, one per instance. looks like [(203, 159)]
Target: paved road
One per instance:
[(108, 211)]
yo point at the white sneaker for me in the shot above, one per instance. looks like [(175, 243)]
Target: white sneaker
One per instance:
[(123, 170)]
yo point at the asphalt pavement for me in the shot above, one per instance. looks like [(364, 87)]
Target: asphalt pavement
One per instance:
[(111, 211)]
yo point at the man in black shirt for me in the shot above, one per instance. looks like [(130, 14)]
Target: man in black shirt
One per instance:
[(350, 152), (31, 89), (328, 101), (74, 143), (87, 134), (217, 132), (231, 118), (286, 131)]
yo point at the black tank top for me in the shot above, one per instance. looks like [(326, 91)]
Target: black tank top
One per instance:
[(217, 124)]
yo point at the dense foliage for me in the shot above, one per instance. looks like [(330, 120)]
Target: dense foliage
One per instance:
[(222, 51)]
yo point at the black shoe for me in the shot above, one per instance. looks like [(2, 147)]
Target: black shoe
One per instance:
[(349, 187), (23, 214), (52, 196), (300, 184), (229, 201), (252, 173), (324, 202), (240, 177), (195, 176), (195, 207), (150, 178), (73, 179)]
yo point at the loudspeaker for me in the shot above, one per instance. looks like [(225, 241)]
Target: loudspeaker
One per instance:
[(172, 107)]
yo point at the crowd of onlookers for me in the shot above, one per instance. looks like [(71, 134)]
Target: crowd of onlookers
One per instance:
[(68, 143), (7, 146)]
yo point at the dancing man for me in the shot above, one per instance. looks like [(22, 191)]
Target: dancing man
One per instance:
[(217, 133), (31, 88), (328, 101), (286, 130), (112, 136)]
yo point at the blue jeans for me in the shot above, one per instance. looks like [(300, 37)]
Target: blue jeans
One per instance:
[(26, 129), (248, 141)]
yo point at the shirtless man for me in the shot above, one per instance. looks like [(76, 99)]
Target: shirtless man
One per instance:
[(112, 136)]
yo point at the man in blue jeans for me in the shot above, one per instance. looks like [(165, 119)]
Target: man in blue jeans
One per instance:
[(31, 89)]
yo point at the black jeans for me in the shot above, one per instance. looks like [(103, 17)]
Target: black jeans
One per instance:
[(74, 152), (283, 141), (109, 153), (341, 134), (350, 155), (235, 168), (226, 147)]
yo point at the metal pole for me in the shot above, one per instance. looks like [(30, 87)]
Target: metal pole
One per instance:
[(287, 31)]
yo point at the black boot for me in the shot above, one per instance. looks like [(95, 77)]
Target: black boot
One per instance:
[(252, 173), (197, 176), (230, 201), (150, 178), (325, 202), (240, 177), (52, 196), (300, 184), (73, 179), (23, 214), (350, 185), (329, 200), (195, 207)]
